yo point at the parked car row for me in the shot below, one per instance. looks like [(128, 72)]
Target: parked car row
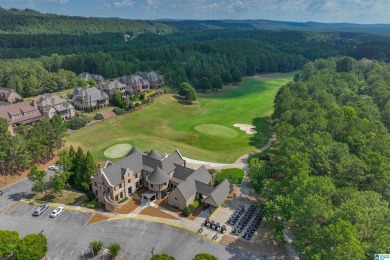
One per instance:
[(236, 215), (39, 210), (215, 226), (244, 220), (254, 225)]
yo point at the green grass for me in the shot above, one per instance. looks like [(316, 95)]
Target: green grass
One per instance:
[(167, 124), (68, 197), (233, 175), (216, 130), (117, 151)]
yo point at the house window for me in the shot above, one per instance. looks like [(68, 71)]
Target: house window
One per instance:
[(151, 185), (116, 197), (175, 198), (95, 184), (120, 186), (121, 195), (128, 181), (96, 192)]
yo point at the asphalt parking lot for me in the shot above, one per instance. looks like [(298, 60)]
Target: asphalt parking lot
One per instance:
[(26, 211)]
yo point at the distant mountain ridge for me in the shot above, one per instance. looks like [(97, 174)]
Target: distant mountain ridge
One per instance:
[(33, 22)]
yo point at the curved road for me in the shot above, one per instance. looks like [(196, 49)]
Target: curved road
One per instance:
[(68, 235)]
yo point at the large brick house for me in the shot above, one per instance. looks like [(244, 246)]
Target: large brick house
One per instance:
[(23, 113), (163, 175), (138, 83)]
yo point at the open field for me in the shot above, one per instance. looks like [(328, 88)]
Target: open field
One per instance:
[(167, 124)]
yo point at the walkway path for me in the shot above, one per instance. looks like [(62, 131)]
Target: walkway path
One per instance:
[(241, 162)]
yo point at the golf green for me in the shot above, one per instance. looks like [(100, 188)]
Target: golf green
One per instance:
[(202, 131), (216, 130), (117, 151)]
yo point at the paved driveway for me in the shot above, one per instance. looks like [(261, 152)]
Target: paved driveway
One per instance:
[(68, 235)]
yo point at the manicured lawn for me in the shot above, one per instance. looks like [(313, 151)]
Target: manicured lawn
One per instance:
[(68, 197), (167, 124), (233, 175)]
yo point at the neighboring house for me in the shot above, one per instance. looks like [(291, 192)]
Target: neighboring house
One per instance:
[(23, 113), (110, 87), (87, 77), (162, 175), (138, 83), (153, 78), (89, 98), (51, 105), (9, 95)]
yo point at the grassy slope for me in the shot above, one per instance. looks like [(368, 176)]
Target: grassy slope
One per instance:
[(167, 125)]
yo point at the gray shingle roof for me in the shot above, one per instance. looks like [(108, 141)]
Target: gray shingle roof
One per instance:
[(89, 94), (203, 188), (113, 172), (181, 173), (157, 177), (155, 155), (187, 188), (219, 194)]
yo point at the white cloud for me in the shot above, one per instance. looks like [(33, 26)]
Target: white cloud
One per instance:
[(210, 7), (124, 3)]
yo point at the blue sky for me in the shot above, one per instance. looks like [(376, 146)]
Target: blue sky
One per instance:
[(354, 11)]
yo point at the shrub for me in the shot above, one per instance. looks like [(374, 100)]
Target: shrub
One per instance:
[(118, 111), (186, 211), (77, 123), (233, 175), (212, 171), (114, 249), (196, 204), (137, 104), (162, 257), (123, 200), (205, 256), (99, 116), (96, 246), (192, 207)]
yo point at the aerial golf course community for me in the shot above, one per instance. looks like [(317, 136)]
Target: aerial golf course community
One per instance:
[(203, 131)]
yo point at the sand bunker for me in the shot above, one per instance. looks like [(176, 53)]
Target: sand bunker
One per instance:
[(117, 151), (249, 129)]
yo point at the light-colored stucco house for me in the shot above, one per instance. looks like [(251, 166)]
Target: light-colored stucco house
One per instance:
[(89, 98), (51, 105), (22, 113), (9, 95), (163, 175)]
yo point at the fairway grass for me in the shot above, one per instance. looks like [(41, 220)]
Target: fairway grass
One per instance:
[(166, 125), (117, 151), (216, 130)]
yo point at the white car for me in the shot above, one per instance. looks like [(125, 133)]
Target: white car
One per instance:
[(57, 212), (54, 168)]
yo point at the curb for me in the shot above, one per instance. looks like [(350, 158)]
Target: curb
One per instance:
[(165, 223)]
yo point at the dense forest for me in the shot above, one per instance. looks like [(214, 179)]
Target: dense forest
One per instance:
[(32, 145), (44, 52), (327, 178)]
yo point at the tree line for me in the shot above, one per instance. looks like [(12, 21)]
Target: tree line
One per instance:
[(31, 145), (327, 177), (75, 170)]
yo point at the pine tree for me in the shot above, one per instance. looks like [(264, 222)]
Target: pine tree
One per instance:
[(78, 165), (88, 171)]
